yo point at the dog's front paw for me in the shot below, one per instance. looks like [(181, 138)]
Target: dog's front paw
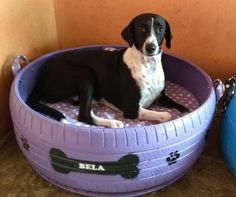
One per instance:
[(116, 124), (165, 116)]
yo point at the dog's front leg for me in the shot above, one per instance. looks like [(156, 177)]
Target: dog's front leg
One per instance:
[(86, 114), (85, 102), (145, 114)]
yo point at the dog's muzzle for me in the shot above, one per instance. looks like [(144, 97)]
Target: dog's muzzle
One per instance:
[(150, 48)]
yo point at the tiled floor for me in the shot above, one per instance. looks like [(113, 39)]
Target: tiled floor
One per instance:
[(209, 176)]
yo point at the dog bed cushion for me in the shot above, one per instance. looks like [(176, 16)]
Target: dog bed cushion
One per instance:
[(174, 91)]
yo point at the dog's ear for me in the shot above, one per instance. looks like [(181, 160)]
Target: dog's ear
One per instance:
[(168, 35), (128, 34)]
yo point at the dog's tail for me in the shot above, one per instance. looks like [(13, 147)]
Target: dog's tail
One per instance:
[(33, 102)]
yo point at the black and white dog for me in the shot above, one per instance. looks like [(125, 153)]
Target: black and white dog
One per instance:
[(128, 80)]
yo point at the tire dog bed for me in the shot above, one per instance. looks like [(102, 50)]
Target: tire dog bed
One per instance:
[(128, 161)]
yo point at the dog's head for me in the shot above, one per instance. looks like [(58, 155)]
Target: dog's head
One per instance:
[(147, 32)]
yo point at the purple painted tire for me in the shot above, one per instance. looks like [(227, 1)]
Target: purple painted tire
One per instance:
[(117, 162)]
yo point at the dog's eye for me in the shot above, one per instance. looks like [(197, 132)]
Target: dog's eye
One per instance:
[(160, 29), (142, 29)]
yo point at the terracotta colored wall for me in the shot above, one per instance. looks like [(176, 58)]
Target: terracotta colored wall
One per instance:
[(28, 27), (204, 32)]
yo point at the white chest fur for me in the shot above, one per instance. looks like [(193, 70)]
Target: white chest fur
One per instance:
[(148, 74)]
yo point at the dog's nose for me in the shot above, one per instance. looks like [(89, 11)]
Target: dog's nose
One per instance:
[(150, 47)]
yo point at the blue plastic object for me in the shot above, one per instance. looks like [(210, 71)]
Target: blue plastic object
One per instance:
[(228, 125)]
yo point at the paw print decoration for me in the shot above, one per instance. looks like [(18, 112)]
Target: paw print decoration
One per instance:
[(25, 143), (173, 156)]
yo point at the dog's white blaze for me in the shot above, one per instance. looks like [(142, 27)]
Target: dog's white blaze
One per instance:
[(148, 74), (151, 39)]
